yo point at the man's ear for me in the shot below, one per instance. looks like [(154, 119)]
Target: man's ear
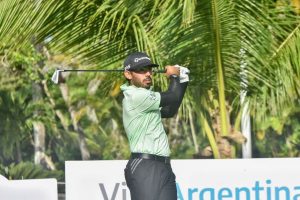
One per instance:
[(128, 75)]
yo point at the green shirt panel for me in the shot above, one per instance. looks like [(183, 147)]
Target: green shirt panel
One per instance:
[(142, 121)]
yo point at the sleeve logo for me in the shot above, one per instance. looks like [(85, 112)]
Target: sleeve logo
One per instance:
[(152, 96)]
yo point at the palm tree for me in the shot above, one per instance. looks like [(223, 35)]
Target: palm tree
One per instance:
[(213, 38), (225, 36)]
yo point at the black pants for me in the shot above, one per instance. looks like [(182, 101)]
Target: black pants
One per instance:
[(150, 180)]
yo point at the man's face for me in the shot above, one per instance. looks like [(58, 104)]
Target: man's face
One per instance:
[(140, 78)]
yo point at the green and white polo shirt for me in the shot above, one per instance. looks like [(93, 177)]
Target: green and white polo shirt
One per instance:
[(142, 121)]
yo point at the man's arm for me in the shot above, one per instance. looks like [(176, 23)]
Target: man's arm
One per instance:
[(172, 98)]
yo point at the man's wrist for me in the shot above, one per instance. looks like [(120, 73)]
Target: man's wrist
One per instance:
[(173, 76)]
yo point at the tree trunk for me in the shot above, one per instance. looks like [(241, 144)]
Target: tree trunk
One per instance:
[(85, 154), (39, 133)]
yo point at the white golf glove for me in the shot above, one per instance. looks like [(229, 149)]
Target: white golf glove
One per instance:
[(184, 74)]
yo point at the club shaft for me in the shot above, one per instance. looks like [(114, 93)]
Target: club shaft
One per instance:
[(103, 70), (92, 70)]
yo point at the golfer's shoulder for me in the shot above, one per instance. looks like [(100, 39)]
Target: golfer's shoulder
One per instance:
[(141, 95)]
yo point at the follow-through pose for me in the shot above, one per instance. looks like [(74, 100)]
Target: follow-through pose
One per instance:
[(148, 173)]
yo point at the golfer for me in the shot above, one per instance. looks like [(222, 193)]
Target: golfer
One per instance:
[(148, 173)]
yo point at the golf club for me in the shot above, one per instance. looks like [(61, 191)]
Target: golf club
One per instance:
[(56, 74)]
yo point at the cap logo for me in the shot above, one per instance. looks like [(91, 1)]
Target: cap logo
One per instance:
[(141, 58), (127, 67)]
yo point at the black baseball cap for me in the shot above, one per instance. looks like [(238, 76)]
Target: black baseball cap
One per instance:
[(138, 60)]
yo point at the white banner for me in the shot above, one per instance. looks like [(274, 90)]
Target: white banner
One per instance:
[(29, 189), (238, 179)]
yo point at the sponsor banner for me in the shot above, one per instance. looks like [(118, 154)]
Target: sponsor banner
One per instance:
[(228, 179), (96, 180), (29, 189)]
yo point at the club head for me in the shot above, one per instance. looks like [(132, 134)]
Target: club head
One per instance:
[(56, 75)]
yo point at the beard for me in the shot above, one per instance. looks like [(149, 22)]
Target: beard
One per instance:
[(147, 82)]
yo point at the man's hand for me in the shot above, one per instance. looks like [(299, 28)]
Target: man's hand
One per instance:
[(172, 70)]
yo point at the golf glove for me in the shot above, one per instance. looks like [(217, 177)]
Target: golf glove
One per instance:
[(184, 74)]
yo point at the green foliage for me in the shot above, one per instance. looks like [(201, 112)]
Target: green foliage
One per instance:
[(280, 144), (27, 170), (207, 36), (12, 128), (18, 68)]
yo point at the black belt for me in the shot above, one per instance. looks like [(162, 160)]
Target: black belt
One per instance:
[(151, 157)]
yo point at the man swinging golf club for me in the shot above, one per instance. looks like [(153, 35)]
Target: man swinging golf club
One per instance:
[(148, 173)]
